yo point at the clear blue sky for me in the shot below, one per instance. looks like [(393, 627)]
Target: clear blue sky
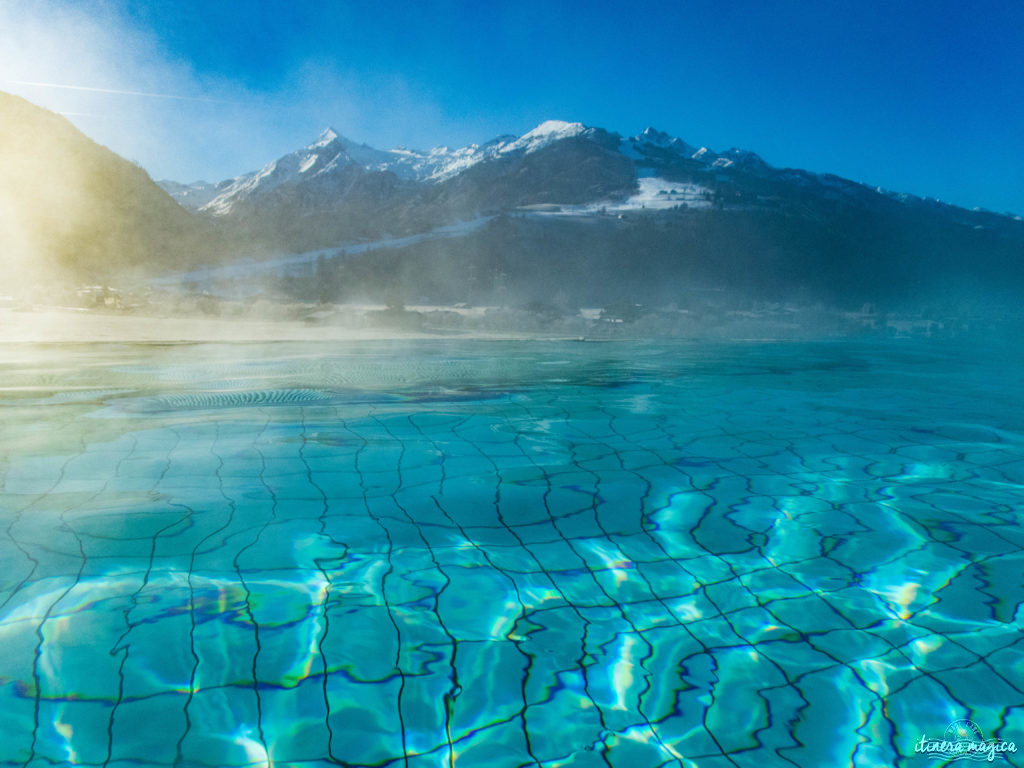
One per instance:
[(919, 96)]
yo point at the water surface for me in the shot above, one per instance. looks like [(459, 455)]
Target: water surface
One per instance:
[(507, 553)]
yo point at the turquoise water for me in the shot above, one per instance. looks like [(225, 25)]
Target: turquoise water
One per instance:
[(500, 553)]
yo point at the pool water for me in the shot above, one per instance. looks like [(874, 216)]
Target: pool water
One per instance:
[(477, 553)]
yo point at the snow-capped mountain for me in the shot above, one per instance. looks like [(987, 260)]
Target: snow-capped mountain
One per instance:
[(565, 203), (653, 139), (332, 162), (556, 163), (565, 214), (333, 155)]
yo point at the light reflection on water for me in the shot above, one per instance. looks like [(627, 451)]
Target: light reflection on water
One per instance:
[(411, 554)]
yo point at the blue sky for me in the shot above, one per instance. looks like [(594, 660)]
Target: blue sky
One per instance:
[(922, 97)]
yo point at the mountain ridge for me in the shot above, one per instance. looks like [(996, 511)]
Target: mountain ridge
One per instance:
[(565, 215), (650, 149), (72, 210), (671, 216)]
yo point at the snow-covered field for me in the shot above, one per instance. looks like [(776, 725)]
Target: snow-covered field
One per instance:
[(660, 194), (654, 194)]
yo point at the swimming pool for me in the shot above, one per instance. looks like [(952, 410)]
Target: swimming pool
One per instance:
[(508, 553)]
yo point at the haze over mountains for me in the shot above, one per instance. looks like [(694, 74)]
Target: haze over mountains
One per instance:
[(569, 215), (565, 216), (73, 211)]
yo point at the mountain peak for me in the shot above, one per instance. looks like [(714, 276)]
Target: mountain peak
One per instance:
[(555, 129), (650, 132), (544, 134), (651, 136), (746, 157), (326, 137)]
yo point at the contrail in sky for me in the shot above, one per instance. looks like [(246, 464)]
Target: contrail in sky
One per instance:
[(111, 90)]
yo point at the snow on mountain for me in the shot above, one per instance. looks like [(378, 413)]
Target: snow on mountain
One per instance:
[(652, 137), (659, 194), (652, 194), (730, 158), (442, 163), (445, 163), (332, 154), (328, 154), (638, 148), (746, 158), (653, 144), (192, 196), (325, 139), (544, 134)]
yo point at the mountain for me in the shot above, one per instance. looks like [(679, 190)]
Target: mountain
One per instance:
[(327, 168), (582, 215), (332, 156), (73, 212), (334, 189), (565, 216)]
